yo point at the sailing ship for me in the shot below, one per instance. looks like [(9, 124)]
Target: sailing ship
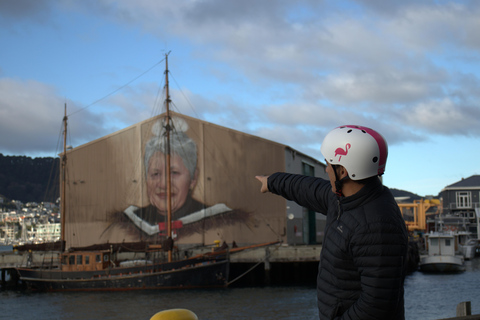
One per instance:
[(104, 268), (98, 270)]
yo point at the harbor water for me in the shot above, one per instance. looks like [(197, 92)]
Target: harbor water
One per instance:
[(428, 296)]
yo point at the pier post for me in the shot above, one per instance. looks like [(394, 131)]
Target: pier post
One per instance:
[(3, 279), (267, 278), (464, 309)]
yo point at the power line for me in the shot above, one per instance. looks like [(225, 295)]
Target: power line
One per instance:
[(118, 89)]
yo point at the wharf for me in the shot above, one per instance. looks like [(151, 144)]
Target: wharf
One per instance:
[(265, 265), (278, 264), (278, 253)]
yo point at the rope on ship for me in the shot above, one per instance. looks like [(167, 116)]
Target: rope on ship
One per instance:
[(266, 258)]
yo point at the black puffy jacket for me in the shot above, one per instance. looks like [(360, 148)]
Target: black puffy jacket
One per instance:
[(363, 259)]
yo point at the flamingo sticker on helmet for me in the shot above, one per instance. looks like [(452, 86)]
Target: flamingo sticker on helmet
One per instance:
[(342, 152)]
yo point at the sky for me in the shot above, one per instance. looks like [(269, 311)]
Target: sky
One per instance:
[(286, 71)]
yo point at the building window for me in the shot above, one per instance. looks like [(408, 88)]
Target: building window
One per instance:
[(87, 259), (464, 199), (98, 258), (79, 259), (308, 170)]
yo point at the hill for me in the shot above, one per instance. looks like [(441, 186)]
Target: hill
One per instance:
[(402, 193), (29, 180)]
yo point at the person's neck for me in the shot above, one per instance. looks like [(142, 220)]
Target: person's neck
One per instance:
[(350, 187)]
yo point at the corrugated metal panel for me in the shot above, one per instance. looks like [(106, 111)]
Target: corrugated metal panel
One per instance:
[(107, 176)]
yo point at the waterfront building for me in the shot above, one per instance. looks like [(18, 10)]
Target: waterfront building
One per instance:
[(461, 202), (107, 183)]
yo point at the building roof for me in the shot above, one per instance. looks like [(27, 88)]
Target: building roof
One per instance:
[(470, 182)]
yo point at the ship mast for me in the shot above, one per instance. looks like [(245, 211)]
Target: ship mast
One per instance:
[(63, 186), (168, 173)]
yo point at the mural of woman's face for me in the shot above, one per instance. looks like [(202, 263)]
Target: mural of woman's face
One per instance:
[(157, 182)]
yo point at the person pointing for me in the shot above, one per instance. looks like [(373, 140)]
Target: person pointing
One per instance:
[(363, 261)]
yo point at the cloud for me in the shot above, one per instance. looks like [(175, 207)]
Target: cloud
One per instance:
[(444, 117), (26, 10), (450, 26), (25, 111), (31, 116), (390, 86), (290, 71)]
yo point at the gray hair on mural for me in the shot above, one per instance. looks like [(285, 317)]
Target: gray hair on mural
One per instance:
[(180, 144)]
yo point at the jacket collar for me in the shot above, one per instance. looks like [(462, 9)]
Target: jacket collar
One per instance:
[(369, 192)]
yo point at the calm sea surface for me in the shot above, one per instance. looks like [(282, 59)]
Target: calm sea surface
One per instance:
[(427, 297)]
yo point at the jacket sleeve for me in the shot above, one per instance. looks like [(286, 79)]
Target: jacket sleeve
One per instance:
[(309, 192)]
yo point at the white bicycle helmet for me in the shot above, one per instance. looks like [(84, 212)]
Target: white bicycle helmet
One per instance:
[(361, 150)]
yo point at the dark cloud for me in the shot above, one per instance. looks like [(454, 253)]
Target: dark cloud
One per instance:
[(38, 10), (394, 7), (31, 115)]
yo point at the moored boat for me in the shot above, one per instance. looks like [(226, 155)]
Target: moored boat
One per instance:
[(99, 271), (442, 256), (470, 249)]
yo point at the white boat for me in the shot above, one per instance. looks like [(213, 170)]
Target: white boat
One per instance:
[(470, 248), (442, 255)]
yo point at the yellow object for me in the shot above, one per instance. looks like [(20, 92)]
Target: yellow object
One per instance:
[(419, 209), (175, 314), (217, 243)]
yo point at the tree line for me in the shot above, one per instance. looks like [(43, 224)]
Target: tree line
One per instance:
[(29, 179)]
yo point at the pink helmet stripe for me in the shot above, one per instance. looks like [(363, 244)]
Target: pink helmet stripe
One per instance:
[(382, 146)]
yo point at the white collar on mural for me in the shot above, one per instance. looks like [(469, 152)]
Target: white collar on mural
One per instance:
[(205, 213), (193, 217)]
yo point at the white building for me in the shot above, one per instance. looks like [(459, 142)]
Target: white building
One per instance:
[(49, 232)]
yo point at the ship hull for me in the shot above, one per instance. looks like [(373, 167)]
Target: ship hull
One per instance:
[(442, 264), (201, 274)]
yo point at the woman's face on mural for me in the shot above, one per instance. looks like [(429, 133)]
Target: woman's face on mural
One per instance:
[(157, 182)]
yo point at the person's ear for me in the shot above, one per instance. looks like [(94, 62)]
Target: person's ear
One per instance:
[(343, 172)]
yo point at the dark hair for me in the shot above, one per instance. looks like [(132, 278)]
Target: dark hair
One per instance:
[(367, 180), (362, 181)]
